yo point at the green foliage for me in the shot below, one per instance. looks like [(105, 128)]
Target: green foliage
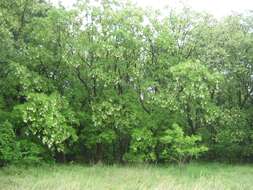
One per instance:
[(142, 148), (7, 143), (49, 119), (22, 81), (13, 150), (105, 81), (234, 136), (194, 85), (179, 147), (28, 152)]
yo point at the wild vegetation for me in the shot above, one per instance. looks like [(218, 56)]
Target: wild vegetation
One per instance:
[(80, 177), (110, 82)]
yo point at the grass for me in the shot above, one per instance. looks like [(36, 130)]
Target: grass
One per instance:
[(99, 177)]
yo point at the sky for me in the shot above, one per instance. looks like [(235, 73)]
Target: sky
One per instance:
[(218, 8)]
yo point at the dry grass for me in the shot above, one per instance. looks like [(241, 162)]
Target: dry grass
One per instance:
[(78, 177)]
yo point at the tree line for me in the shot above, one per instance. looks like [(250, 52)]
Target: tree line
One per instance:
[(111, 82)]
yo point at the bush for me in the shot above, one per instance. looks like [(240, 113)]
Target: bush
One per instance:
[(142, 148), (7, 143), (13, 150), (179, 147), (29, 152)]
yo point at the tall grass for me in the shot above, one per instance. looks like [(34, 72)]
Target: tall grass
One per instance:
[(99, 177)]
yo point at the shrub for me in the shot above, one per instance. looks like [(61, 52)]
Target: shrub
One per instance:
[(179, 147), (142, 148), (7, 143), (29, 152)]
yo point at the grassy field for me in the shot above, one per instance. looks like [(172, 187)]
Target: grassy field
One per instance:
[(78, 177)]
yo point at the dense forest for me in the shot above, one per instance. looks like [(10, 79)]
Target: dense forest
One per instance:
[(107, 81)]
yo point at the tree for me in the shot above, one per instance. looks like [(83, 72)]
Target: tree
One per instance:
[(112, 82), (48, 119)]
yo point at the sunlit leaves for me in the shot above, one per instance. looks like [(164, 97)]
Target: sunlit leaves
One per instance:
[(49, 119), (180, 147)]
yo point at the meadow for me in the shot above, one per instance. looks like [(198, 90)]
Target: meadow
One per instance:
[(99, 177)]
